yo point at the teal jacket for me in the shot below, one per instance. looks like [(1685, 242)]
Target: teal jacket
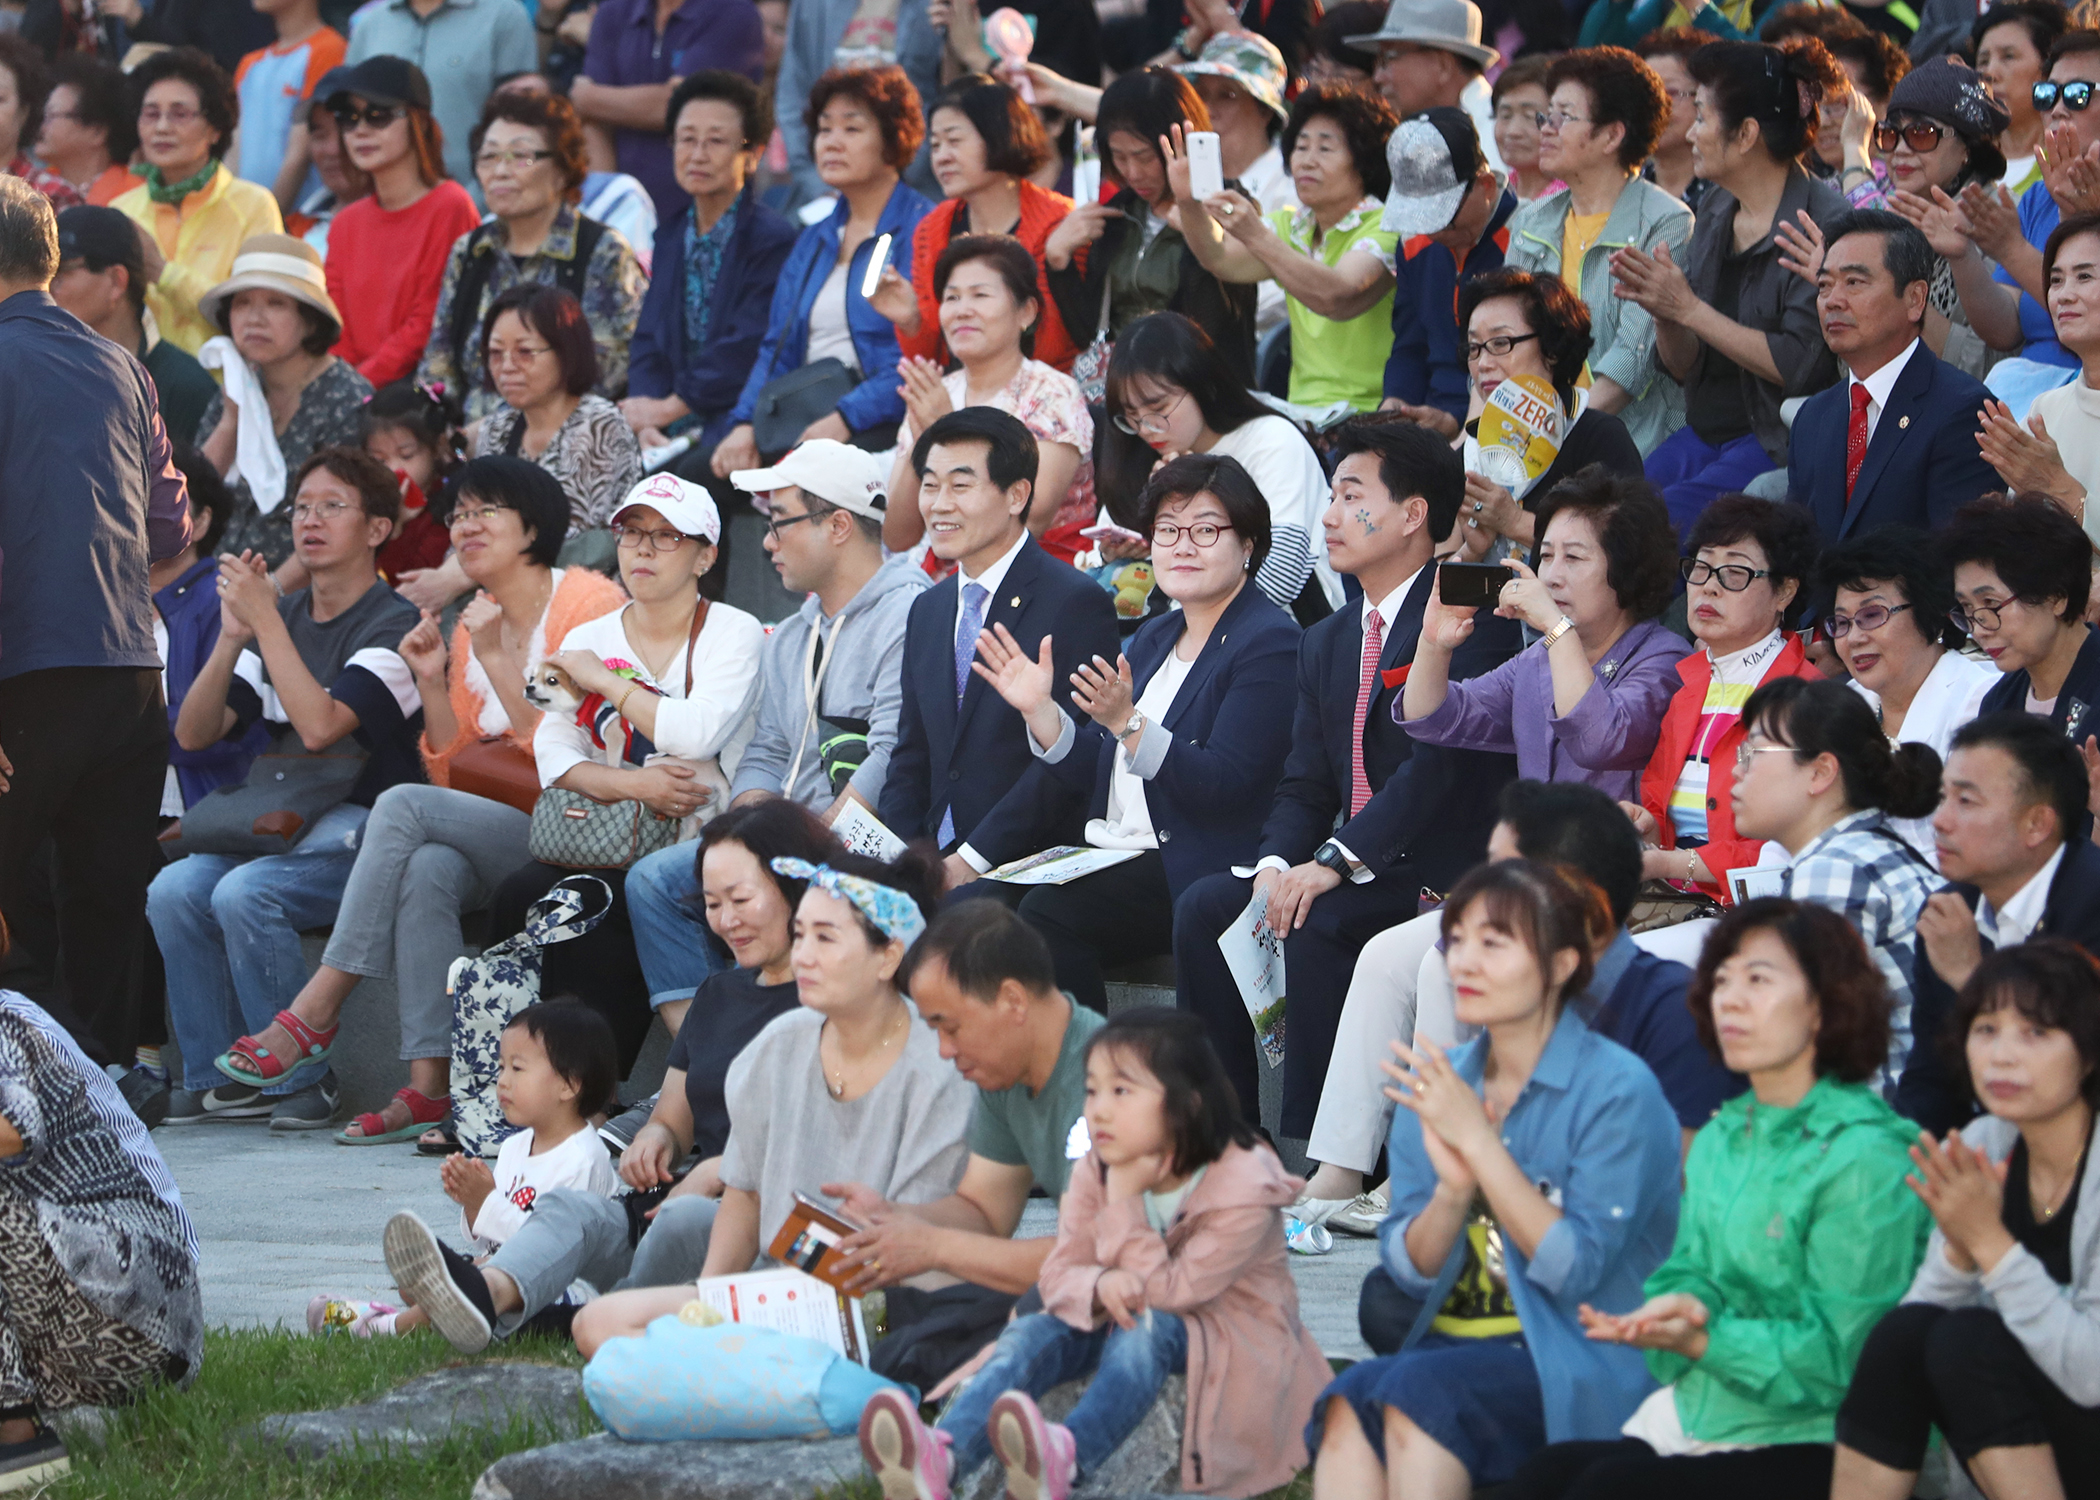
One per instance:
[(1622, 333), (1798, 1232), (1621, 23)]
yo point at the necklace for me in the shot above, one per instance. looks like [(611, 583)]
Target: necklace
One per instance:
[(836, 1083)]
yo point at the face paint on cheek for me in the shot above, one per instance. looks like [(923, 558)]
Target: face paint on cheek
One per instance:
[(1363, 519)]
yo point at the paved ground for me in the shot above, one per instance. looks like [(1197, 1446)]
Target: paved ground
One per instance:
[(282, 1217)]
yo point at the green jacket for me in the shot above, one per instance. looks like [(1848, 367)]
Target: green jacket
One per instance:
[(1798, 1232), (1622, 334)]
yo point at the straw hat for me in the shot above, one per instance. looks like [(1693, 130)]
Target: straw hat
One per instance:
[(274, 263)]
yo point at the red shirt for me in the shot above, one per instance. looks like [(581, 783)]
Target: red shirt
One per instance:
[(385, 270)]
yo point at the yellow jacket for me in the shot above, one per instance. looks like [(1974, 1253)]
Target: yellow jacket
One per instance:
[(199, 238)]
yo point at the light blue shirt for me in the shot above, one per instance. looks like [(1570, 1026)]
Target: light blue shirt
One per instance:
[(1592, 1130)]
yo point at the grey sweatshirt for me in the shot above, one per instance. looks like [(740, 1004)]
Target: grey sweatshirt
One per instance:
[(863, 679)]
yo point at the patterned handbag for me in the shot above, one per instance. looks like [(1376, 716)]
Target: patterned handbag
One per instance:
[(488, 990)]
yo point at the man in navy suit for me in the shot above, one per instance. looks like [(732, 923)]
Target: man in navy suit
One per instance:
[(1365, 818), (1894, 443), (958, 772)]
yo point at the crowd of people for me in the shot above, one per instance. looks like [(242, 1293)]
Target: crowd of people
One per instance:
[(1572, 529)]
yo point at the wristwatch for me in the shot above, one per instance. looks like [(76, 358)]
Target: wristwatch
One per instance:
[(1560, 628), (1331, 856), (1137, 722)]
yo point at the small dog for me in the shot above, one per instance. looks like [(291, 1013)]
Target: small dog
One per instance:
[(550, 689)]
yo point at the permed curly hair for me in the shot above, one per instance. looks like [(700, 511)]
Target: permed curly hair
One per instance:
[(1555, 314), (884, 92), (1365, 120), (1623, 90)]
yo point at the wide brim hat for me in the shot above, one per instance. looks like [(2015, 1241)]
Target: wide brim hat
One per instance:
[(1449, 25), (1248, 60), (276, 263)]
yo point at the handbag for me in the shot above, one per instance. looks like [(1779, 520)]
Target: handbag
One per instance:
[(680, 1381), (490, 989), (287, 789), (788, 404), (498, 769), (1661, 904), (577, 832)]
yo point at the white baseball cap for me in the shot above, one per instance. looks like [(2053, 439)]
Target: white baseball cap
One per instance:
[(685, 505), (850, 478)]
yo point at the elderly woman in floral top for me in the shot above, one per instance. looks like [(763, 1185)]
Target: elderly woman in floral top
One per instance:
[(529, 157), (1332, 259)]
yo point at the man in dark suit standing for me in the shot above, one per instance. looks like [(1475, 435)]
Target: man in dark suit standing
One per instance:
[(1365, 818), (1894, 443), (958, 772), (2013, 796)]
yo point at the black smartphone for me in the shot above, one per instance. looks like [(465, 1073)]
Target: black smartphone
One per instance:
[(1470, 585)]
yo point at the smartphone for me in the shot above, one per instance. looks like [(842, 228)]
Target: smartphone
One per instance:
[(1206, 167), (1470, 585), (876, 261)]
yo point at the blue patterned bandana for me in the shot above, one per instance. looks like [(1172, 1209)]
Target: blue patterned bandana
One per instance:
[(894, 914)]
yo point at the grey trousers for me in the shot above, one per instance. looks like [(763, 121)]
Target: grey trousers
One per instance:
[(573, 1235), (428, 854)]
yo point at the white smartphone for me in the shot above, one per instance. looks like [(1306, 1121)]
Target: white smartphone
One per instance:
[(876, 261), (1206, 168)]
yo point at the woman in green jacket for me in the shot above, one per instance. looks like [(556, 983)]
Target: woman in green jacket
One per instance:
[(1795, 1235)]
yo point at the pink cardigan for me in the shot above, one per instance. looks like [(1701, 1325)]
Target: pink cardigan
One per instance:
[(1253, 1371)]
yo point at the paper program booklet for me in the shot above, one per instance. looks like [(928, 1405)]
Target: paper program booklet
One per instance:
[(792, 1302)]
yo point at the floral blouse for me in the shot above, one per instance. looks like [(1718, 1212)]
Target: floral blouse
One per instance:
[(1050, 406), (331, 411), (594, 455)]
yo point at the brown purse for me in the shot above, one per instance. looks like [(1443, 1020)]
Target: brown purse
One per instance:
[(499, 769)]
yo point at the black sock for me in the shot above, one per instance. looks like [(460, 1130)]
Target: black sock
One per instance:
[(471, 1283), (558, 1320)]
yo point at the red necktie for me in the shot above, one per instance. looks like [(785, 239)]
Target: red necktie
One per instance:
[(1366, 690), (1856, 438)]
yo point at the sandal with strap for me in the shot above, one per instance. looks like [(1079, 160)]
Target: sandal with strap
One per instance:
[(423, 1112), (441, 1139), (257, 1064)]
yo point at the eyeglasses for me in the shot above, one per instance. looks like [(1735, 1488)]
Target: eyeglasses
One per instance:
[(1921, 136), (378, 116), (1746, 750), (663, 540), (1203, 533), (776, 527), (713, 145), (181, 116), (1978, 616), (490, 160), (1554, 119), (1498, 346), (1734, 577), (2076, 96), (520, 354), (1139, 423), (1868, 620), (478, 517), (324, 510)]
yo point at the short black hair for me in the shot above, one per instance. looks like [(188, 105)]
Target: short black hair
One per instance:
[(555, 315), (1013, 456), (579, 1046), (1014, 142), (2037, 551), (734, 89), (1851, 997), (1904, 556), (1365, 120), (2075, 42), (1338, 24), (1007, 257), (433, 416), (770, 828), (1412, 460), (512, 483), (2066, 230), (216, 98), (101, 97), (1827, 718), (1880, 61), (1216, 474), (378, 493), (983, 943), (1782, 530), (1559, 318), (1633, 527), (1167, 348), (32, 75), (2043, 21), (1905, 255), (1202, 1109), (207, 488), (2050, 981), (1623, 90), (1571, 823), (2050, 765)]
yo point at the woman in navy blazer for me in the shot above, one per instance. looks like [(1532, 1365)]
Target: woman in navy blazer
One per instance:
[(1180, 744)]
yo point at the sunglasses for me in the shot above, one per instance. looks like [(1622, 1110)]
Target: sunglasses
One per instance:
[(2076, 96), (1922, 136), (378, 116)]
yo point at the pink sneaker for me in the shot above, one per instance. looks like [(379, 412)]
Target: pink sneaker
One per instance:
[(326, 1315), (909, 1459), (1040, 1457)]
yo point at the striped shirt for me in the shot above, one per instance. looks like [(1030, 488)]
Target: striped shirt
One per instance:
[(1735, 678)]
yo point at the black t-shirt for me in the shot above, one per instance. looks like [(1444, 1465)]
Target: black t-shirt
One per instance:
[(727, 1012), (2050, 1242), (1598, 437), (1713, 402)]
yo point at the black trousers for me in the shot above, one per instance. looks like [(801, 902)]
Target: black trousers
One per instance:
[(1628, 1469), (1318, 961), (1113, 916), (599, 969), (1963, 1371), (89, 746)]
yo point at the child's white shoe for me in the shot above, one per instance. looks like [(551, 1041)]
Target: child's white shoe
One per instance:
[(1040, 1457), (908, 1459)]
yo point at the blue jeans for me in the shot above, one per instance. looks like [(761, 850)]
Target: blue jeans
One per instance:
[(1691, 472), (229, 929), (1040, 1351), (671, 937)]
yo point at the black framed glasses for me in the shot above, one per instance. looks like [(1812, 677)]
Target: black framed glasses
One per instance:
[(2076, 95), (1870, 619), (1978, 616), (1203, 533), (348, 116), (1498, 346), (1922, 136), (775, 526), (1734, 577)]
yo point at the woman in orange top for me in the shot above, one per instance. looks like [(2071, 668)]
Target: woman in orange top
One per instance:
[(985, 142)]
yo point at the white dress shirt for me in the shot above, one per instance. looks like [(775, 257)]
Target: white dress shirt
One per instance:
[(989, 580), (1879, 385), (2022, 914)]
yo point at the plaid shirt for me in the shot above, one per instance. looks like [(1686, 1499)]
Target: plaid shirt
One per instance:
[(1862, 869)]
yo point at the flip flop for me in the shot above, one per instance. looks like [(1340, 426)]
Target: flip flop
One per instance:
[(259, 1065), (423, 1112)]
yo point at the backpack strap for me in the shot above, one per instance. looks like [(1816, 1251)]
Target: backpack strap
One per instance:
[(466, 295)]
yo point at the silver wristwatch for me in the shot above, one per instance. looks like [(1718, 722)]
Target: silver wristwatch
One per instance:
[(1137, 722)]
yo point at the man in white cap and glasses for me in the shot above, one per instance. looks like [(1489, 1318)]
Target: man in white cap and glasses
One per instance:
[(1430, 56), (1451, 211)]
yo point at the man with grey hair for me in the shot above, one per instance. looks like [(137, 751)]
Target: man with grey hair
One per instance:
[(92, 498)]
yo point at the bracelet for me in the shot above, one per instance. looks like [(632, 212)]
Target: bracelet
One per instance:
[(276, 585), (1691, 866), (620, 708)]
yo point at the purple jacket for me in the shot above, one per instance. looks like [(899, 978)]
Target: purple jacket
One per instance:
[(1604, 743)]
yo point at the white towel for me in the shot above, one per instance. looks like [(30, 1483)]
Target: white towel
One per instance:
[(256, 456)]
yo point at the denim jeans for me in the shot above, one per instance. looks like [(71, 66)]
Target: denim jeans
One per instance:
[(229, 930), (670, 935), (1041, 1351)]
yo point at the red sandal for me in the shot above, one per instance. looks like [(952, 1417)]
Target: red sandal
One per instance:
[(423, 1112), (260, 1066)]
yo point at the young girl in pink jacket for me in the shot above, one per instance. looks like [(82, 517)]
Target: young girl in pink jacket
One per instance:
[(1169, 1259)]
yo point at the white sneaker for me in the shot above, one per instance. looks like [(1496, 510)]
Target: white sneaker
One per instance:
[(1363, 1214), (1309, 1210)]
